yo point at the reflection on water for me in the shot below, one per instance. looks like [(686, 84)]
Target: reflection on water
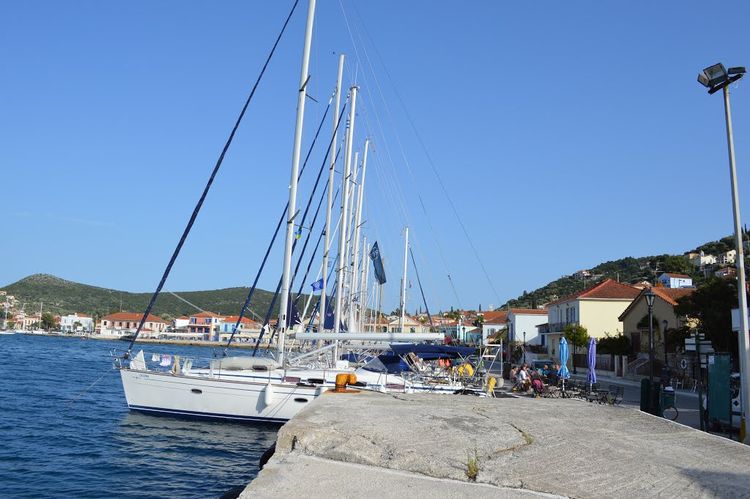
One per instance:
[(66, 431)]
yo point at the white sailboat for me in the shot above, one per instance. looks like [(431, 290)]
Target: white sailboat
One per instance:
[(274, 390)]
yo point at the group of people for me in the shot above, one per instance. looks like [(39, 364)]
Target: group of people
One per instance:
[(527, 378)]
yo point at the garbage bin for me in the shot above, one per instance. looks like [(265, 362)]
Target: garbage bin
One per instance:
[(650, 397), (667, 398)]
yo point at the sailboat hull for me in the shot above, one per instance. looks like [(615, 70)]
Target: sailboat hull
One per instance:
[(208, 398)]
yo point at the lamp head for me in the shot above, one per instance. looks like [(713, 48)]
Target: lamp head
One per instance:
[(649, 297)]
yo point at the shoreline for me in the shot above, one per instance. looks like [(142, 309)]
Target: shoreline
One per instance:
[(151, 341)]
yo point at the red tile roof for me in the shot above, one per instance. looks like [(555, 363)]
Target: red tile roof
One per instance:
[(205, 314), (669, 295), (495, 317), (681, 276), (529, 311), (607, 289), (132, 316), (233, 319)]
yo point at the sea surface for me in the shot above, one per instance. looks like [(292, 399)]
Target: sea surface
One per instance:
[(65, 429)]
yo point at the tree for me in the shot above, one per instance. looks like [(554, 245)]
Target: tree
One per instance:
[(614, 345), (48, 321), (711, 304), (676, 264), (578, 336)]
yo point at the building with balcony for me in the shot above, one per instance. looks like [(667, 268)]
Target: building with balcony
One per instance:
[(122, 323), (597, 308), (205, 325)]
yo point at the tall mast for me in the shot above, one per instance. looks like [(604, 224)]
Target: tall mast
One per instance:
[(344, 205), (357, 222), (329, 206), (292, 211), (350, 256), (403, 280), (363, 285)]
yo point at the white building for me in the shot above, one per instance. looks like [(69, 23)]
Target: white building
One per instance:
[(526, 320), (728, 258), (76, 323), (701, 259), (494, 322), (675, 281)]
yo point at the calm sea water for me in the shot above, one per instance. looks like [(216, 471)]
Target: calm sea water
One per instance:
[(65, 430)]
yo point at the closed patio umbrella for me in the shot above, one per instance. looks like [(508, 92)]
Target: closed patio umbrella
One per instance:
[(563, 372), (592, 363)]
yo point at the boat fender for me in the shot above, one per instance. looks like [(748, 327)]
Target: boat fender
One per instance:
[(491, 386), (344, 379), (268, 394)]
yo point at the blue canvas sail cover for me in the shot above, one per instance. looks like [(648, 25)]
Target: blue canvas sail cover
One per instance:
[(377, 263), (293, 314)]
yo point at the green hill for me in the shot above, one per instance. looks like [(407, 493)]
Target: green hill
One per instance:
[(628, 270), (61, 297)]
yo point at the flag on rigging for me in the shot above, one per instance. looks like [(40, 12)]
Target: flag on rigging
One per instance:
[(377, 264), (317, 285)]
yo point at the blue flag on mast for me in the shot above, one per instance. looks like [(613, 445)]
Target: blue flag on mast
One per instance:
[(317, 285), (377, 263)]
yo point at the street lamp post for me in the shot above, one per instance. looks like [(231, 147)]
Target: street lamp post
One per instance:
[(665, 372), (717, 78), (524, 347), (650, 302)]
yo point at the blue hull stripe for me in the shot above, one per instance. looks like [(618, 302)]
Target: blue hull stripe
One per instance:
[(204, 415)]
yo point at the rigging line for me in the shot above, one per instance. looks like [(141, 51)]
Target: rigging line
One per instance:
[(278, 286), (419, 281), (315, 251), (198, 206), (294, 244), (323, 195), (404, 157), (434, 168), (250, 293)]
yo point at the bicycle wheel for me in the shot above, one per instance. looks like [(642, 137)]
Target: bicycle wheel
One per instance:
[(670, 413)]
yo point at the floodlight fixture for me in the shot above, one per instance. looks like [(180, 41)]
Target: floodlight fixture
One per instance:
[(716, 77), (716, 74)]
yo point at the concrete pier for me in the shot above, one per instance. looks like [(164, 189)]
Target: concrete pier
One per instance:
[(396, 445)]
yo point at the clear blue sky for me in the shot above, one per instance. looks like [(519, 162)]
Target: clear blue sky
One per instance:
[(567, 133)]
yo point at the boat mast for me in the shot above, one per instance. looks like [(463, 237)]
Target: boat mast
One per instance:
[(329, 206), (357, 222), (292, 211), (363, 286), (403, 280), (344, 205)]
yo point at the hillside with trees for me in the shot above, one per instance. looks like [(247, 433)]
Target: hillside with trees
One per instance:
[(628, 270), (60, 296)]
